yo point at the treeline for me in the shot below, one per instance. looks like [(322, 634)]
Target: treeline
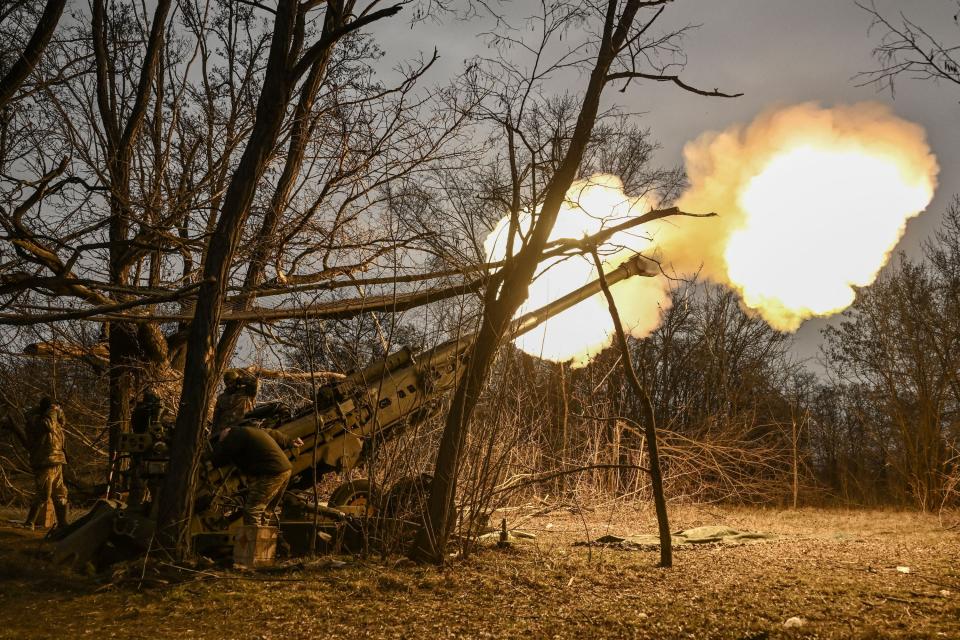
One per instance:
[(885, 429), (871, 422)]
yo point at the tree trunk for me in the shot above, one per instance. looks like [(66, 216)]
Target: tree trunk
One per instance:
[(126, 352), (20, 70), (557, 392), (203, 364), (649, 426), (504, 296), (796, 472), (299, 139), (200, 371)]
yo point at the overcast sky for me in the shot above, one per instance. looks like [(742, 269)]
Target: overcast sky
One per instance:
[(786, 51), (776, 52)]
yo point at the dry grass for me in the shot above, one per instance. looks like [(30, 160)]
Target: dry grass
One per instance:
[(836, 569)]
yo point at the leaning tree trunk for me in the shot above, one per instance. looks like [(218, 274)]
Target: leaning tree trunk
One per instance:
[(505, 295), (649, 423), (30, 56), (199, 379), (284, 67), (296, 151)]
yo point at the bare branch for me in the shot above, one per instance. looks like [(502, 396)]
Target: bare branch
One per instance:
[(30, 56), (631, 75)]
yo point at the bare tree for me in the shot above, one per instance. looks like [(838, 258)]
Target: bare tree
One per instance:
[(894, 357), (909, 49), (619, 47), (29, 57), (650, 427)]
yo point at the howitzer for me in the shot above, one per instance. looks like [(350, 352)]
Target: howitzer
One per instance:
[(337, 430)]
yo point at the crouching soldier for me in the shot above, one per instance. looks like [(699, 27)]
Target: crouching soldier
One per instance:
[(258, 454), (44, 434)]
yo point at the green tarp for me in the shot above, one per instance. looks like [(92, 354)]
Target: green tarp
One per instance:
[(687, 538)]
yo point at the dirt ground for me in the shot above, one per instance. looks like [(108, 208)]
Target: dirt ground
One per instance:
[(837, 570)]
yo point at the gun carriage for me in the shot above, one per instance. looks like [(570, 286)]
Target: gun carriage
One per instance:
[(338, 431)]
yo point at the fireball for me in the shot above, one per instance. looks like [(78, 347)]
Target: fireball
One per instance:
[(579, 333), (810, 201)]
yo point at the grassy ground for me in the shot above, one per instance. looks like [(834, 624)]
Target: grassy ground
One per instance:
[(835, 569)]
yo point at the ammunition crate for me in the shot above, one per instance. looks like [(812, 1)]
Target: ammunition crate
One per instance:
[(254, 546)]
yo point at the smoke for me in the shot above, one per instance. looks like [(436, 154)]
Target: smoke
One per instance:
[(810, 203), (581, 332)]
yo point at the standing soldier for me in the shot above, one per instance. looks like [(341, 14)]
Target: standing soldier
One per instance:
[(238, 398), (148, 412), (44, 434)]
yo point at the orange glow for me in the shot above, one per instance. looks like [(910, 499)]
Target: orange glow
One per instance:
[(810, 204), (581, 332)]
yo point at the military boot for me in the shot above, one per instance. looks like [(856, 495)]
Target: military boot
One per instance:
[(60, 509)]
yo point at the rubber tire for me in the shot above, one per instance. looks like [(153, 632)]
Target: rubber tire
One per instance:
[(399, 499), (346, 492)]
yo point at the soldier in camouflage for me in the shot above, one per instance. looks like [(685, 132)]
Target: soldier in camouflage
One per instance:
[(44, 433), (238, 398), (260, 454)]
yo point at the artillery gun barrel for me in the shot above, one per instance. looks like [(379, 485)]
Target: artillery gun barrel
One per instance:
[(391, 390), (635, 266)]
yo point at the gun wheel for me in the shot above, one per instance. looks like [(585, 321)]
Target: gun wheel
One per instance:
[(407, 499), (356, 495)]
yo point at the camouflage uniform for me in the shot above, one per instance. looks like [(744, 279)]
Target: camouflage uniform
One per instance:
[(44, 434), (259, 454), (239, 397), (263, 497)]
